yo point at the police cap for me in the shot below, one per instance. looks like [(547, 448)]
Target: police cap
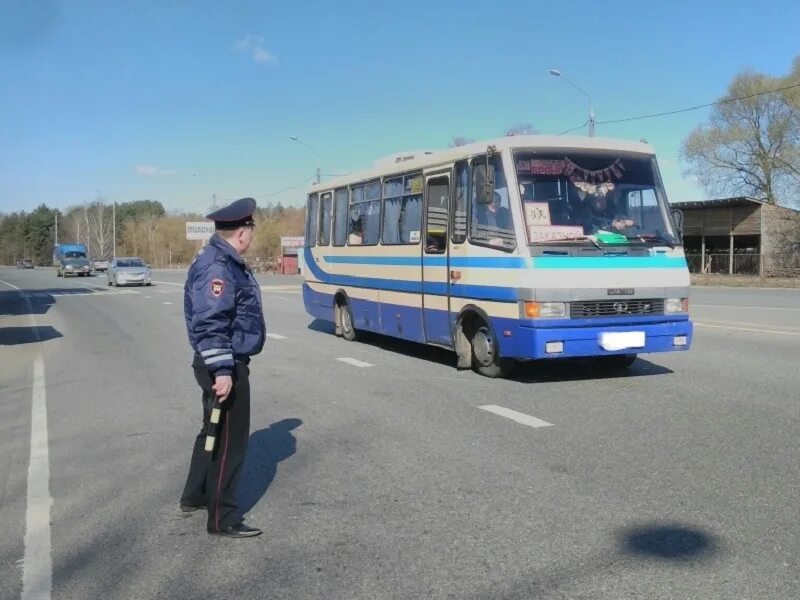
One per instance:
[(237, 214)]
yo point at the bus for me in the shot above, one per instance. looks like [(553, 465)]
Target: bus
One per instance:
[(514, 249)]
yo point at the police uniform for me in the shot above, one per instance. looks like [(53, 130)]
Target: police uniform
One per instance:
[(225, 323)]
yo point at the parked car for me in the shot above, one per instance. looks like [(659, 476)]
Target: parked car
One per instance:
[(100, 265), (25, 263), (128, 271)]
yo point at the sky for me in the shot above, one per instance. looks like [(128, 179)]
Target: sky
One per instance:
[(184, 101)]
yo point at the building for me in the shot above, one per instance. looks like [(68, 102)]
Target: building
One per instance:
[(741, 236)]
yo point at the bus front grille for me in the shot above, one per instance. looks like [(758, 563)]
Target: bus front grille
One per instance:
[(616, 308)]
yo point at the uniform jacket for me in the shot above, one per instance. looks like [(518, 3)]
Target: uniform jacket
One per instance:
[(222, 308)]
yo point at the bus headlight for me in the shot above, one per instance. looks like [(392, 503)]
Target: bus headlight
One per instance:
[(676, 305), (544, 310)]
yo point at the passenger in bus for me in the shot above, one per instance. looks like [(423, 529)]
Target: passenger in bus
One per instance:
[(356, 237)]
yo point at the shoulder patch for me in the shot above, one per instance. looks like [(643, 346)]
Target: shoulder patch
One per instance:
[(217, 287)]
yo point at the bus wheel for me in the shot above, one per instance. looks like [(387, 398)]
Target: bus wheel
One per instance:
[(485, 357), (345, 321), (618, 361)]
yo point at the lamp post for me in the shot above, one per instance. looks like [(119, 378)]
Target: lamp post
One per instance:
[(557, 73), (294, 138)]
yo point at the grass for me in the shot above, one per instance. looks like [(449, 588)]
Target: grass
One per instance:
[(743, 281)]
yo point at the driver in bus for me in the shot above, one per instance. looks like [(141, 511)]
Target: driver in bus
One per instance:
[(594, 214)]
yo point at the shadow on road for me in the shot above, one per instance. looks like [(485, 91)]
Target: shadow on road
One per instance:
[(669, 542), (662, 546), (266, 448), (552, 370), (12, 336)]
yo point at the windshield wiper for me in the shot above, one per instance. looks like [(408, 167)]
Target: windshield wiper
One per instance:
[(580, 238), (652, 237)]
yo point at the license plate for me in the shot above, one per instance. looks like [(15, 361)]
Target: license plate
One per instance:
[(621, 340)]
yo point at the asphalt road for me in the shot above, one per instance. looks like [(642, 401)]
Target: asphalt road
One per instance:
[(380, 477)]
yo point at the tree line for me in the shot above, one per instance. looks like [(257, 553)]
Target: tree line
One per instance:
[(143, 229)]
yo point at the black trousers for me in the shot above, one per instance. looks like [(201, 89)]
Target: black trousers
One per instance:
[(214, 476)]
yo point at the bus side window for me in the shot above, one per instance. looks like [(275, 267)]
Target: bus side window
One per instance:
[(325, 219), (311, 220), (491, 221), (460, 209), (340, 217)]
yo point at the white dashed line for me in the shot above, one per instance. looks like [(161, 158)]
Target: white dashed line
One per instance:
[(515, 416), (276, 336), (355, 362), (37, 566), (166, 303), (744, 307), (751, 329), (149, 297)]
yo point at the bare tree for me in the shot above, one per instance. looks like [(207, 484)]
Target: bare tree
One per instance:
[(459, 140), (521, 129), (751, 144)]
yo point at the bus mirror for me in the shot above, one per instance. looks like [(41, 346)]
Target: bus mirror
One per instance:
[(484, 183), (677, 218), (489, 181)]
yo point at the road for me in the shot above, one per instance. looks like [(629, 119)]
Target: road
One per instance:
[(379, 476)]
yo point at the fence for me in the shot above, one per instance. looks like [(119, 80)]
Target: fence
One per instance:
[(720, 264)]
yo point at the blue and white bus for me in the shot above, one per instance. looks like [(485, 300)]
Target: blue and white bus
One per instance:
[(514, 249)]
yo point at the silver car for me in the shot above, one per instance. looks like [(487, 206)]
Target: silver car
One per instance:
[(128, 271)]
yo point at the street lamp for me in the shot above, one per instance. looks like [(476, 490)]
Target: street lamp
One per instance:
[(557, 73), (294, 138)]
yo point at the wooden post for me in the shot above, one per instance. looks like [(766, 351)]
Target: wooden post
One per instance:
[(730, 256), (703, 253)]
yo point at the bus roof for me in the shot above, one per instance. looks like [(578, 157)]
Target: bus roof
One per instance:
[(404, 162)]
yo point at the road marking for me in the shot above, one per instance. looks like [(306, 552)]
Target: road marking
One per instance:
[(149, 297), (37, 567), (355, 362), (167, 283), (515, 416), (747, 307), (741, 323), (276, 336), (166, 303), (752, 329)]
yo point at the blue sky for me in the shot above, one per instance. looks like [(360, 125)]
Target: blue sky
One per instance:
[(178, 100)]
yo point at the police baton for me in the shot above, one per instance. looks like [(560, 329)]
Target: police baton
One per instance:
[(213, 425)]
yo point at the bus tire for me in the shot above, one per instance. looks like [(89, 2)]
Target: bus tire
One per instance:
[(486, 358), (618, 362), (345, 321)]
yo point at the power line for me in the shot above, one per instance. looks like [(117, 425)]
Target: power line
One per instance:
[(688, 109), (286, 189)]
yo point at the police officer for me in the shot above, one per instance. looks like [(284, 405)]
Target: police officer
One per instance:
[(225, 322)]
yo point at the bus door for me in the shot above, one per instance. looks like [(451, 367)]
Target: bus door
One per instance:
[(435, 260)]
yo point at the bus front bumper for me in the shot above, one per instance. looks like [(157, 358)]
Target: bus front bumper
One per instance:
[(526, 342)]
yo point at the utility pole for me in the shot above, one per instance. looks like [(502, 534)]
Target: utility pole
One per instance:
[(56, 213), (318, 175)]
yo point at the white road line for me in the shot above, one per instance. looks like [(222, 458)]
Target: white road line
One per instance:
[(37, 566), (515, 416), (746, 324), (746, 307), (149, 297), (167, 283), (166, 303), (37, 569), (355, 362), (752, 329), (276, 336)]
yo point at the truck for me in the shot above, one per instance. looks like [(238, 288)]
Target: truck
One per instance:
[(70, 259)]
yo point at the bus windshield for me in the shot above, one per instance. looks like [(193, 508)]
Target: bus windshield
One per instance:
[(613, 199)]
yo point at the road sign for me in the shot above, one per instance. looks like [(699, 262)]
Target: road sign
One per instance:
[(292, 242), (199, 230)]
